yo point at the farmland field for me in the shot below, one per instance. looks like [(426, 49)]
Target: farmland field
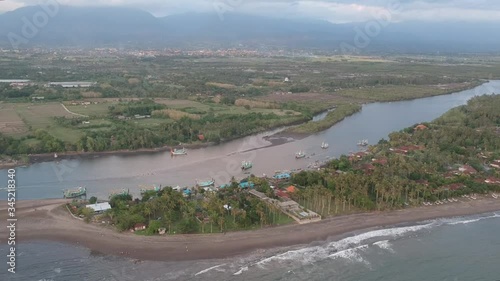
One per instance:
[(10, 122), (40, 116)]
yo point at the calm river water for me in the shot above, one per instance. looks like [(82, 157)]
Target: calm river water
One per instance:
[(105, 174)]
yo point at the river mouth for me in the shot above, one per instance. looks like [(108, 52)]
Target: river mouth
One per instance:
[(268, 151)]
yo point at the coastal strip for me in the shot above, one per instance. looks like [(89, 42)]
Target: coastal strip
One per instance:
[(48, 220)]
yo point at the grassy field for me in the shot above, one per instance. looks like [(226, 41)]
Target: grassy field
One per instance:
[(395, 93), (201, 86), (40, 116), (10, 122), (100, 109)]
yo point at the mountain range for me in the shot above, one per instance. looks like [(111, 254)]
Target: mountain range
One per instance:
[(126, 27)]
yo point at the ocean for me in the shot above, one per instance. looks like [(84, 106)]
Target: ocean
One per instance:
[(455, 249)]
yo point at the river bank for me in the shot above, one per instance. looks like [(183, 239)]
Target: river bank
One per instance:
[(296, 130), (48, 220)]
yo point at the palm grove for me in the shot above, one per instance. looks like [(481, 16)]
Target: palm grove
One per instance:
[(380, 179)]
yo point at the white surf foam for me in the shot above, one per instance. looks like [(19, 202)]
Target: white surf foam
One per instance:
[(384, 244), (243, 269), (351, 254), (208, 269), (455, 222), (312, 254)]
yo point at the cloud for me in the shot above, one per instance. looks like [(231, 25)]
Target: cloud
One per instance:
[(338, 11)]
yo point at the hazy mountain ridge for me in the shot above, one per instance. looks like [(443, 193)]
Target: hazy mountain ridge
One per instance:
[(112, 26)]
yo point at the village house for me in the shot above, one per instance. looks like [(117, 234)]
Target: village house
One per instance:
[(420, 127), (358, 155), (453, 187), (99, 208), (406, 149), (381, 161), (467, 170), (492, 181), (138, 226), (423, 182), (282, 194)]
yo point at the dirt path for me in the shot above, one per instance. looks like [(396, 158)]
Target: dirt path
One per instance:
[(70, 112)]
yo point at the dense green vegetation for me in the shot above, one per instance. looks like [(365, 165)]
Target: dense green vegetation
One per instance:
[(189, 96), (333, 117), (419, 164), (229, 209), (468, 135)]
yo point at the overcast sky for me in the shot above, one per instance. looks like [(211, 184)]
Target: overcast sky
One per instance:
[(337, 11)]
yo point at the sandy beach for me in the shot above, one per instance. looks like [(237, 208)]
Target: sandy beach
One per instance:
[(48, 220)]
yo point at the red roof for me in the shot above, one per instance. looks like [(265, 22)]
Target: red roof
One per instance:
[(139, 226), (424, 182), (421, 127), (281, 193), (291, 189), (454, 186), (466, 169), (381, 161), (492, 180)]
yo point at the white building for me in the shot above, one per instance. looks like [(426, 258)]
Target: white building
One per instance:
[(100, 207), (72, 84)]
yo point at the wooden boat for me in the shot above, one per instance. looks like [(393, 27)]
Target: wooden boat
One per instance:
[(207, 183), (145, 189), (75, 193), (324, 145), (121, 192), (177, 152), (363, 143), (300, 154), (245, 165)]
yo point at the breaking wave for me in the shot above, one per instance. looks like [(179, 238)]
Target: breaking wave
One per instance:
[(384, 244), (467, 221), (344, 247), (208, 269)]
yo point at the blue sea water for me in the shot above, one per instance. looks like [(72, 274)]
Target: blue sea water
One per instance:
[(446, 249)]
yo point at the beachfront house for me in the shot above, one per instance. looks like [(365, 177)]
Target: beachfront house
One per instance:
[(99, 208), (139, 226)]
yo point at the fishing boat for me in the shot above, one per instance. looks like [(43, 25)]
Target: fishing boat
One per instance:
[(324, 145), (176, 152), (206, 183), (363, 143), (245, 165), (145, 189), (300, 154), (121, 192), (75, 193)]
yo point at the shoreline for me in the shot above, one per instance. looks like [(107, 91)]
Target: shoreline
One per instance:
[(48, 220)]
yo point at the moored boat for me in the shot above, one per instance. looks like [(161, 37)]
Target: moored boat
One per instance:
[(176, 152), (145, 189), (121, 192), (75, 193), (363, 143), (300, 154), (206, 183), (245, 165), (324, 145)]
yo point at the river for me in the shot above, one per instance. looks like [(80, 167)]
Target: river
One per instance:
[(104, 174)]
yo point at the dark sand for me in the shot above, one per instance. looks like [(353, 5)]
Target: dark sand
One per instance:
[(49, 220)]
